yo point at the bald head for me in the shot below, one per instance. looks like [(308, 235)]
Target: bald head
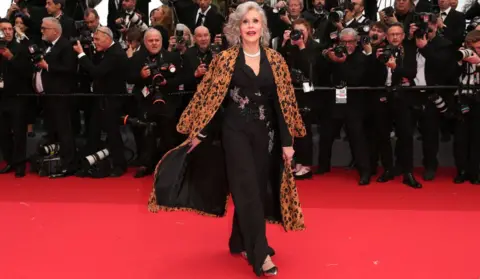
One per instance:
[(202, 37), (152, 40)]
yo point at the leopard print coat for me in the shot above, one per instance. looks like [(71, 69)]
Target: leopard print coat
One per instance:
[(210, 95)]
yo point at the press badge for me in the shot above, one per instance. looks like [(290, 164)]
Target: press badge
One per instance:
[(307, 87), (1, 83), (341, 95)]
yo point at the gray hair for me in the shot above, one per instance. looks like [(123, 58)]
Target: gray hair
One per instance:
[(105, 30), (55, 23), (299, 2), (348, 31), (152, 30), (232, 28)]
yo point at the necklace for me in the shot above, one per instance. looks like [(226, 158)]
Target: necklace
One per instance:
[(252, 55)]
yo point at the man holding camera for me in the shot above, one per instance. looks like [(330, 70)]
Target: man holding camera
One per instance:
[(435, 66), (466, 145), (15, 78), (109, 77), (394, 66), (348, 69), (126, 19), (154, 73)]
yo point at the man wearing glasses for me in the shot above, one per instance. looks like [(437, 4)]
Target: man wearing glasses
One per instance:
[(55, 75)]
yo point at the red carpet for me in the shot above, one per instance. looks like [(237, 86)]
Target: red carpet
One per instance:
[(83, 228)]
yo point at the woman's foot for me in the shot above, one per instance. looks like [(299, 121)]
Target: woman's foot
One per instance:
[(269, 268), (303, 173), (297, 168)]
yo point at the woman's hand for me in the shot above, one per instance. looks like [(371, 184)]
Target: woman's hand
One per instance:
[(193, 144), (288, 153)]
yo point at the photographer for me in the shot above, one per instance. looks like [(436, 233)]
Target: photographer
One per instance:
[(155, 73), (466, 145), (318, 19), (181, 41), (15, 78), (126, 19), (109, 77), (347, 63), (435, 66), (403, 12), (303, 56), (54, 9), (394, 66)]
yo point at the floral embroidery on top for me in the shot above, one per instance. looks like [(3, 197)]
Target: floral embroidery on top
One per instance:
[(241, 101), (261, 110)]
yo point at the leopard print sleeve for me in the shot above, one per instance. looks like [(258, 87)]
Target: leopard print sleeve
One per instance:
[(286, 94), (186, 122)]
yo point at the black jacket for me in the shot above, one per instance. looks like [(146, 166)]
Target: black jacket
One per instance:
[(62, 66), (110, 74), (17, 72)]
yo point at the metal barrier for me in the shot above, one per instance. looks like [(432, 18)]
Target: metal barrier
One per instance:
[(317, 88)]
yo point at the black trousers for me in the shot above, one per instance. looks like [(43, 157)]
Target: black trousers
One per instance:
[(59, 126), (353, 117), (247, 163), (396, 111), (429, 126), (13, 131), (466, 144), (304, 146), (106, 116)]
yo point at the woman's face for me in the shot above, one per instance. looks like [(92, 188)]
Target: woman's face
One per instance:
[(251, 27), (19, 24)]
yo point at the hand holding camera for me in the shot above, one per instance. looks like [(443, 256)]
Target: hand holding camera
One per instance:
[(145, 72), (468, 55), (338, 54), (201, 70), (5, 52)]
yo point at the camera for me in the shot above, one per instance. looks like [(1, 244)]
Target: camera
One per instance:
[(297, 77), (389, 51), (435, 9), (137, 123), (282, 11), (296, 35), (363, 32), (336, 15), (473, 24), (36, 54), (94, 158), (85, 39), (340, 50), (159, 69), (463, 53), (49, 149), (179, 37), (439, 102), (215, 49), (389, 11), (421, 20), (3, 40)]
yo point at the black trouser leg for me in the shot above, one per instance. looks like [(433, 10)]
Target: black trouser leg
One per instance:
[(404, 131), (246, 155), (304, 146), (358, 140), (6, 137), (474, 164), (18, 119), (329, 128), (383, 127), (111, 125), (430, 127), (461, 146)]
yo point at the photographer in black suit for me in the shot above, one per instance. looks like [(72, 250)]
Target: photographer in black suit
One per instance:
[(435, 66), (55, 9), (15, 76), (348, 69), (451, 22), (55, 75), (109, 77), (155, 73), (394, 66)]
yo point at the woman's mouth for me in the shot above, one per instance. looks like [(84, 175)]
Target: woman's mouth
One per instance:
[(251, 33)]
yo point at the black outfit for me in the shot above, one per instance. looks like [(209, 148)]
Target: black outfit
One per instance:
[(109, 77), (251, 117), (455, 30), (213, 20), (164, 114), (350, 73), (440, 69), (59, 79), (394, 108), (16, 74)]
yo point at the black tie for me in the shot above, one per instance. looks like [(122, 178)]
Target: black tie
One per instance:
[(444, 14), (199, 20)]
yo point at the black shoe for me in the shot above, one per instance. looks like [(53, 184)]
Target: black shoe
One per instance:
[(409, 179), (364, 180), (352, 165), (271, 272), (20, 172), (385, 177), (117, 172), (429, 175), (475, 179), (6, 169), (322, 170), (142, 172), (63, 173), (461, 177)]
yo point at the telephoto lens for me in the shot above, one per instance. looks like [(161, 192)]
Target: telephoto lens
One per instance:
[(94, 158), (49, 149), (439, 102)]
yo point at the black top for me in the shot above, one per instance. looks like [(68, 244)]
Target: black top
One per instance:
[(254, 97)]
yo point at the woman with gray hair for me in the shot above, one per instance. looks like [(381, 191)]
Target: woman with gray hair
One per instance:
[(258, 120)]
